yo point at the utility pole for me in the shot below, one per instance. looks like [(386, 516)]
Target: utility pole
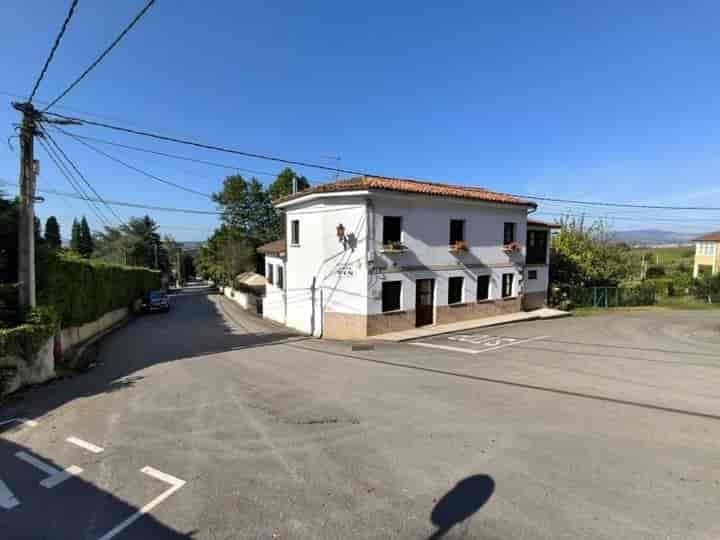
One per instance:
[(179, 271), (26, 211)]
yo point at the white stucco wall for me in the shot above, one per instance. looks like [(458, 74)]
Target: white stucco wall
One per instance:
[(426, 232), (274, 301), (340, 271)]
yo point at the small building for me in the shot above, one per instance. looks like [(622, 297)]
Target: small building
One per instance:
[(372, 255), (707, 254)]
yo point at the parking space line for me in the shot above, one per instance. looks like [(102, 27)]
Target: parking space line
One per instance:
[(51, 482), (25, 421), (55, 476), (90, 447), (175, 484), (513, 343), (7, 498), (446, 347)]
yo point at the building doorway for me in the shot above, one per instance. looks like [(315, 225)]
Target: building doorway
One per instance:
[(424, 304)]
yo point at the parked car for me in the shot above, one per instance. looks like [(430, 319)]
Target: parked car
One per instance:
[(156, 301)]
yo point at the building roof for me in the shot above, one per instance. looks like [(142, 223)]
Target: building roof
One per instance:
[(276, 247), (251, 279), (709, 237), (362, 183), (537, 223)]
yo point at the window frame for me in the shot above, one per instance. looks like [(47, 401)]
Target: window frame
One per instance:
[(399, 239), (280, 281), (455, 279), (270, 274), (512, 227), (532, 274), (294, 232), (511, 277), (532, 254), (483, 277), (452, 241), (393, 283)]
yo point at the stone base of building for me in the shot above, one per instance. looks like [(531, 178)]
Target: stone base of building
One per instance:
[(535, 300), (347, 326)]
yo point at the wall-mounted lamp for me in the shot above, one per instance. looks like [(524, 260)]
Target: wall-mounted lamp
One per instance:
[(340, 231)]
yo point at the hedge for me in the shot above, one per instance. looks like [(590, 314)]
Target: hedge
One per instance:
[(83, 290), (28, 337)]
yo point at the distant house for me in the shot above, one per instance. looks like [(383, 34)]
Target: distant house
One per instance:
[(372, 255), (707, 254)]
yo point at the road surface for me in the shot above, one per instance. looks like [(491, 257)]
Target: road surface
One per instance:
[(206, 423)]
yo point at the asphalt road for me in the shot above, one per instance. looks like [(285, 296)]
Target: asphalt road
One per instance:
[(207, 423)]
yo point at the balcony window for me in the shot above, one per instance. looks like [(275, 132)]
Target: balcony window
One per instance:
[(537, 242), (508, 233), (457, 231)]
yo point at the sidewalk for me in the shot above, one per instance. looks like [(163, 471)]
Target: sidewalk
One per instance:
[(427, 331)]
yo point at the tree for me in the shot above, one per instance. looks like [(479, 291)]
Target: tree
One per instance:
[(247, 209), (75, 236), (586, 256), (283, 184), (86, 245), (144, 245), (52, 233), (8, 240), (225, 255)]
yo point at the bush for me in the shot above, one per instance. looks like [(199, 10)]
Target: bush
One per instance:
[(83, 290), (655, 271), (663, 286), (27, 338), (707, 286)]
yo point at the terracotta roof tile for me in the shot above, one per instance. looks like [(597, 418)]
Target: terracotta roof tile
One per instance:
[(709, 237), (409, 186), (538, 223), (276, 247)]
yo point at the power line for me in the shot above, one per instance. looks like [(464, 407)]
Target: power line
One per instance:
[(136, 169), (214, 147), (173, 156), (358, 173), (59, 37), (81, 175), (78, 189), (103, 55)]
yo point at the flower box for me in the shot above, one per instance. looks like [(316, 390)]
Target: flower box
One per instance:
[(394, 247), (512, 247), (458, 247)]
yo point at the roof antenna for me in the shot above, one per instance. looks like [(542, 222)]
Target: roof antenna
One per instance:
[(294, 184)]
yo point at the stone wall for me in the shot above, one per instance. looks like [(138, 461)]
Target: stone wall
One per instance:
[(535, 300), (15, 371), (75, 335)]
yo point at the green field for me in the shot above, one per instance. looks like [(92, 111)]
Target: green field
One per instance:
[(669, 257)]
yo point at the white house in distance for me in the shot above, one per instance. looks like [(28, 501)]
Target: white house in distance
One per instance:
[(372, 255)]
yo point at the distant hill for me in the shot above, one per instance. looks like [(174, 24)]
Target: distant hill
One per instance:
[(653, 237)]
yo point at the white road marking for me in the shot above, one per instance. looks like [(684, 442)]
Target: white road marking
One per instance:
[(475, 351), (51, 482), (90, 447), (7, 499), (514, 343), (446, 347), (176, 484), (26, 421), (55, 476)]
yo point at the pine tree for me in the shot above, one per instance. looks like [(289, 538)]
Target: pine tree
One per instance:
[(86, 241), (75, 236), (52, 233)]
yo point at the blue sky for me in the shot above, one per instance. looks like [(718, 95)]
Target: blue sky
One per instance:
[(611, 101)]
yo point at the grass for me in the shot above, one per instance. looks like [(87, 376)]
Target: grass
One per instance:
[(667, 256), (663, 303)]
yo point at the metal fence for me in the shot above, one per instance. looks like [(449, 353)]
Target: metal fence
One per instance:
[(610, 296)]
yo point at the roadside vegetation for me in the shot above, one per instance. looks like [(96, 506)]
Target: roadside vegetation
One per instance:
[(590, 272)]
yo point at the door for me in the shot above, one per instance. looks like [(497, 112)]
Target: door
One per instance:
[(424, 301)]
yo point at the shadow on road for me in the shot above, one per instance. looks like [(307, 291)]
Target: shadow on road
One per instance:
[(193, 330), (461, 502), (73, 509)]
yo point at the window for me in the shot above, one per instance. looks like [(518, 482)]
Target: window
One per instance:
[(391, 295), (483, 288), (280, 278), (507, 285), (269, 275), (457, 231), (532, 274), (536, 247), (509, 233), (295, 232), (392, 227), (455, 290)]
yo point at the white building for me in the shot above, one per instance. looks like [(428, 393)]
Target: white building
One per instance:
[(371, 255)]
